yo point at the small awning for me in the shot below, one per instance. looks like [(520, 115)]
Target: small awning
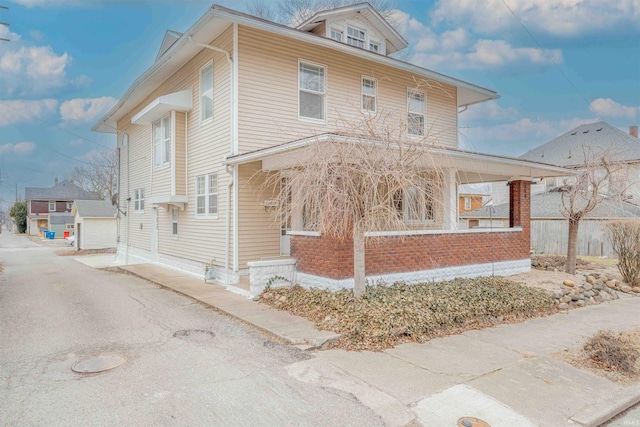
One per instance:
[(180, 101), (166, 201), (470, 167)]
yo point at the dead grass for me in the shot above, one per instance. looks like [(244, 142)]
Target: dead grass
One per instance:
[(614, 356), (389, 315)]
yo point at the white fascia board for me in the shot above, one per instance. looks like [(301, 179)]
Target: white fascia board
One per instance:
[(484, 94), (179, 101)]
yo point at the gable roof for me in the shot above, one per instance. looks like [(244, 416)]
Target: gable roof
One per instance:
[(62, 191), (94, 209), (547, 206), (395, 40), (217, 19), (601, 138), (170, 37)]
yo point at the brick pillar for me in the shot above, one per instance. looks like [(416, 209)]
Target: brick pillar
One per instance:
[(520, 208)]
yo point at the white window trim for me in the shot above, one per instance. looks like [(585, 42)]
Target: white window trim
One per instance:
[(208, 119), (373, 42), (325, 96), (136, 199), (375, 96), (207, 193), (176, 221), (333, 30), (424, 113), (54, 206), (423, 218), (69, 205), (467, 203), (167, 162)]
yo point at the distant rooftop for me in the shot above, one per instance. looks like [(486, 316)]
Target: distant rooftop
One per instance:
[(62, 191), (95, 208), (600, 138)]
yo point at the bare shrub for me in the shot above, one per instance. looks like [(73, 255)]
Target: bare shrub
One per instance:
[(624, 237), (612, 353)]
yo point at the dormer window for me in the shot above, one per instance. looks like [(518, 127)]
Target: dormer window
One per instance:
[(374, 47), (336, 35), (356, 37)]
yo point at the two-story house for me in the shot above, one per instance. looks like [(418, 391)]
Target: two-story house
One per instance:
[(50, 208), (235, 95)]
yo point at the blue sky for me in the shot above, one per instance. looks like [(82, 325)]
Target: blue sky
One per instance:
[(555, 63)]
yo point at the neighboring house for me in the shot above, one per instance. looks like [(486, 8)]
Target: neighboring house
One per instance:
[(236, 97), (550, 230), (96, 225), (468, 202), (600, 140), (50, 208)]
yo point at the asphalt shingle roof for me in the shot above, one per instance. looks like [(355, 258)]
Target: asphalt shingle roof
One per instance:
[(548, 205), (600, 137), (64, 190), (95, 208)]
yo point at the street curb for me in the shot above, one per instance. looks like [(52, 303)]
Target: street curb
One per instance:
[(602, 412), (308, 345)]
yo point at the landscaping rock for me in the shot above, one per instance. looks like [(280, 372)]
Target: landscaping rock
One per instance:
[(625, 288), (569, 283), (636, 289), (563, 306), (611, 284), (591, 280), (598, 287), (588, 286), (581, 303)]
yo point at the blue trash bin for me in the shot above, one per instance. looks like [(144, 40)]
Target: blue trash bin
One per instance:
[(52, 235), (46, 234)]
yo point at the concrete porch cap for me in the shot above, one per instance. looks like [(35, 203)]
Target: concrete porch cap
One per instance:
[(470, 167)]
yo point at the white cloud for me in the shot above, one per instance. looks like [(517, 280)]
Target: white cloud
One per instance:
[(86, 109), (517, 137), (19, 111), (489, 111), (20, 148), (607, 107), (564, 18), (459, 49)]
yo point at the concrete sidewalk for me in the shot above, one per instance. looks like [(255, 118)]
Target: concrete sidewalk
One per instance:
[(507, 375)]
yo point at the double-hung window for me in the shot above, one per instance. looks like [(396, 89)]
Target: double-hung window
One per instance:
[(174, 221), (312, 91), (52, 206), (369, 94), (374, 47), (415, 205), (336, 35), (356, 37), (69, 205), (415, 112), (138, 200), (207, 195), (162, 141), (206, 92), (467, 203)]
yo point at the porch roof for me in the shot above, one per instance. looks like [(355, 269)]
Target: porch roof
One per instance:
[(471, 167)]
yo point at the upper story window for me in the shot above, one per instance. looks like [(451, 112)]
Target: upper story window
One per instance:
[(206, 92), (374, 47), (138, 200), (207, 194), (162, 141), (356, 37), (52, 206), (336, 35), (69, 205), (312, 91), (369, 94), (415, 112), (467, 203)]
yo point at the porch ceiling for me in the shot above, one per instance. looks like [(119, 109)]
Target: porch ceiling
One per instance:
[(470, 167)]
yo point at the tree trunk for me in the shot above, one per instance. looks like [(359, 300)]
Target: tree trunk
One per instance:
[(359, 277), (572, 246)]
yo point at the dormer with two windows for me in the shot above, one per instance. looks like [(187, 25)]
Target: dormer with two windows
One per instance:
[(358, 25)]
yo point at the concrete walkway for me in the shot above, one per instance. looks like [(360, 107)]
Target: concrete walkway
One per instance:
[(507, 375)]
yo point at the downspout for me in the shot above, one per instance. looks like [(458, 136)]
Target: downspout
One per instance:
[(231, 139), (126, 252)]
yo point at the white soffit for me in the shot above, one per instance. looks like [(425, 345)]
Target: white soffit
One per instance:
[(179, 101)]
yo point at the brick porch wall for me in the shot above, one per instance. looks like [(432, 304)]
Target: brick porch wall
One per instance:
[(322, 256)]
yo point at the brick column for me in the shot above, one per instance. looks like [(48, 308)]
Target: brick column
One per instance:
[(520, 207)]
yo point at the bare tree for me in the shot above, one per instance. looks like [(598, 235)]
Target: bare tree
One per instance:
[(100, 176), (581, 194), (369, 177)]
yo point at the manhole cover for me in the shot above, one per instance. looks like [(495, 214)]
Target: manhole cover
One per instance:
[(100, 363), (197, 335), (472, 422)]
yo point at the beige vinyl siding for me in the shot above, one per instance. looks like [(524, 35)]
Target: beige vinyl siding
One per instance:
[(180, 160), (320, 29), (268, 92), (206, 146), (258, 230)]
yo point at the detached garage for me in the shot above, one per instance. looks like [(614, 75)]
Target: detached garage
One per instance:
[(95, 224)]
